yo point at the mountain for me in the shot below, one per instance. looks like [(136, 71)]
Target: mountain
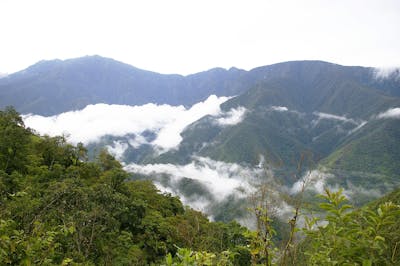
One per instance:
[(53, 87), (323, 116), (56, 86), (371, 156), (304, 107), (329, 117)]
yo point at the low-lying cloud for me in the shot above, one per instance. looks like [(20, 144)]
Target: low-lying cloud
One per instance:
[(314, 180), (393, 113), (95, 121), (232, 117), (169, 135), (279, 108), (219, 178), (387, 72), (319, 180), (117, 149), (334, 117), (363, 123)]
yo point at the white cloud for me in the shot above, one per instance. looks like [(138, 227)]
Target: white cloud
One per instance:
[(232, 117), (314, 180), (169, 136), (391, 113), (334, 117), (387, 72), (219, 178), (224, 181), (353, 192), (280, 108), (199, 203), (117, 149), (363, 123), (137, 141), (94, 121)]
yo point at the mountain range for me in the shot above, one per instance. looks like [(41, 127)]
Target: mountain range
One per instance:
[(344, 119), (52, 87), (56, 86)]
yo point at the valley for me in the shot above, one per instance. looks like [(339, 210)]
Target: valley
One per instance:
[(235, 145), (211, 148)]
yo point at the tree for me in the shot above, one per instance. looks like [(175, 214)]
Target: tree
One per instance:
[(14, 139)]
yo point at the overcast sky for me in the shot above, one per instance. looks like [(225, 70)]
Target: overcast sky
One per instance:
[(191, 36)]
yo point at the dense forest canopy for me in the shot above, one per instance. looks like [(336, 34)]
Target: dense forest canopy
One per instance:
[(56, 207)]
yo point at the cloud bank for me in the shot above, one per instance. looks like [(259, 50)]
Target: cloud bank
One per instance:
[(314, 180), (117, 149), (169, 135), (95, 121), (334, 117), (220, 179), (387, 72), (232, 117), (391, 113), (279, 108)]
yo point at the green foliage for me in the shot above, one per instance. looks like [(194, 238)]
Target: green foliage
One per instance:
[(58, 209), (13, 141), (187, 257), (351, 238), (374, 152)]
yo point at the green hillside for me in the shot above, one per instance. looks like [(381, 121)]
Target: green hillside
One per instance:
[(325, 110), (58, 208), (56, 86), (373, 152)]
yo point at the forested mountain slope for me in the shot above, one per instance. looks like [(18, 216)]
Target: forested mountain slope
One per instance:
[(53, 87), (344, 118), (56, 86), (329, 111), (56, 208)]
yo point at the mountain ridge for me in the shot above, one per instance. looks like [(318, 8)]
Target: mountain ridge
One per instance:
[(289, 109), (55, 86)]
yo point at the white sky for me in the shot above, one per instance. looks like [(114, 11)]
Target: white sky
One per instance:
[(184, 36)]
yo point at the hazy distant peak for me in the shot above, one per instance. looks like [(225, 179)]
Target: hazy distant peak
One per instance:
[(54, 86), (235, 69), (44, 64)]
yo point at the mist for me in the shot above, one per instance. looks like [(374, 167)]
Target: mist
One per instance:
[(391, 113), (222, 180), (314, 180), (232, 117), (167, 122), (279, 108), (334, 117), (387, 72)]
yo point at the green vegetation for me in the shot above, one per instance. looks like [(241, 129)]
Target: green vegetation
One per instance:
[(305, 89), (361, 237), (373, 150), (55, 86), (57, 208)]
